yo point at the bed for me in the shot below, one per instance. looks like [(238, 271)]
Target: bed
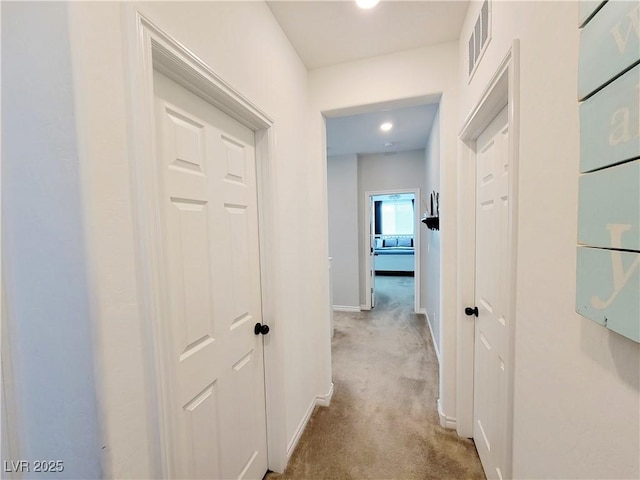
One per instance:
[(394, 255)]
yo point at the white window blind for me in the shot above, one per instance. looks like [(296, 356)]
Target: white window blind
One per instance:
[(397, 217)]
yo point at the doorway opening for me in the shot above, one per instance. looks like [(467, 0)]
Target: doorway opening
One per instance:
[(380, 149), (393, 243)]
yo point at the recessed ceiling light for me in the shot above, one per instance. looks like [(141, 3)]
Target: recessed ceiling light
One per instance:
[(385, 127), (366, 4), (388, 144)]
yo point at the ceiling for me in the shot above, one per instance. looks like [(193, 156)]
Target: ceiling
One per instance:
[(361, 134), (329, 32)]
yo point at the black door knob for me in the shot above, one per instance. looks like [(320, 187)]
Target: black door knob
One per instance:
[(261, 329), (471, 311)]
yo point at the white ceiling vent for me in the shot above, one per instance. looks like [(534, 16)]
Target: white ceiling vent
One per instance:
[(479, 38)]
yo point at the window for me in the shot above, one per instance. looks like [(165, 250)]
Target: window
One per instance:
[(397, 217)]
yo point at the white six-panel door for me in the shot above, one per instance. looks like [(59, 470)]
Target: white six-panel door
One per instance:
[(212, 366), (489, 409)]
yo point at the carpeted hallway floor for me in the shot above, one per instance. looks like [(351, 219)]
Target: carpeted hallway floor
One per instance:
[(382, 422)]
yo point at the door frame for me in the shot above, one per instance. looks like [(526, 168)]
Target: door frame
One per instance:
[(502, 90), (416, 243), (149, 48)]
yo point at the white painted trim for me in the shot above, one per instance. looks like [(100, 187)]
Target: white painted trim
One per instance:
[(325, 400), (503, 90), (445, 422), (364, 308), (300, 429), (332, 330), (493, 99), (416, 243), (345, 308), (149, 48), (320, 401), (433, 338), (514, 152)]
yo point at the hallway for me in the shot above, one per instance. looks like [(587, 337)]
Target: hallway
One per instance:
[(382, 422)]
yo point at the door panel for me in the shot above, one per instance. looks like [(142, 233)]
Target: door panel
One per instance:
[(213, 367), (492, 170)]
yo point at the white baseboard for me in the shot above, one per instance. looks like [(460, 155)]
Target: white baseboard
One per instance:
[(364, 307), (433, 338), (325, 400), (301, 426), (345, 308), (322, 401), (445, 422)]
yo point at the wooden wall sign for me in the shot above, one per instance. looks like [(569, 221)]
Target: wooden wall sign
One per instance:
[(610, 123), (608, 253), (608, 288), (588, 8), (609, 207), (608, 45)]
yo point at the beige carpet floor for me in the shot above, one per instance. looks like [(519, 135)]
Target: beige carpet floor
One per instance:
[(382, 422)]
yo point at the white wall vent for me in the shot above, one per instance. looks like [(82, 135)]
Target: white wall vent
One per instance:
[(479, 37)]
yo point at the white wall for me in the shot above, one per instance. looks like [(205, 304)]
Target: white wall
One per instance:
[(430, 240), (428, 72), (47, 301), (382, 172), (52, 248), (577, 386), (342, 187)]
